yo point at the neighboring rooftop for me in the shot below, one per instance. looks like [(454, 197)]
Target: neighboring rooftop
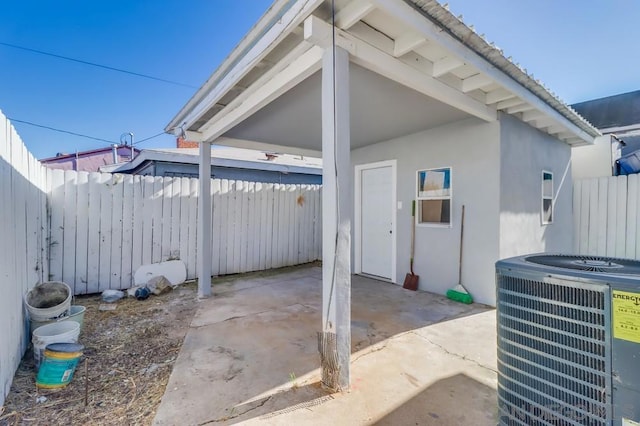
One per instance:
[(618, 115), (225, 157), (612, 112), (91, 160)]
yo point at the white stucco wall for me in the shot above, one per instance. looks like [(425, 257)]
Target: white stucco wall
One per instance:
[(525, 152), (472, 149), (595, 160)]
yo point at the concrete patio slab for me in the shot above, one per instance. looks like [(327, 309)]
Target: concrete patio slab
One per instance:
[(251, 357)]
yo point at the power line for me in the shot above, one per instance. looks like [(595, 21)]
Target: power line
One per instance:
[(80, 134), (150, 137), (60, 130), (28, 49)]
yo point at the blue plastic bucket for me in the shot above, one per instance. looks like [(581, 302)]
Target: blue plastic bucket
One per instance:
[(59, 364)]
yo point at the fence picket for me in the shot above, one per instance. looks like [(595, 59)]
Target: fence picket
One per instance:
[(106, 208), (183, 246), (93, 237), (192, 257), (69, 215), (231, 223), (268, 227), (117, 197), (275, 235), (126, 271), (82, 231), (57, 225), (621, 219), (237, 226), (215, 227), (244, 228), (632, 214), (157, 225), (637, 219), (254, 242), (147, 219), (176, 213), (166, 219), (592, 244), (601, 219)]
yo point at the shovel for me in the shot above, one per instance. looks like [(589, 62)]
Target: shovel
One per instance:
[(411, 279)]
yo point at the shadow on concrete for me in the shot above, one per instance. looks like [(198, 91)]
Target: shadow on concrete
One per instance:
[(283, 402), (456, 400)]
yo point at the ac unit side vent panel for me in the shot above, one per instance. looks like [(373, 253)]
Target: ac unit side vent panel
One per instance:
[(553, 357)]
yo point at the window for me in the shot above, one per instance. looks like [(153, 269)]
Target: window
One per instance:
[(547, 198), (434, 196)]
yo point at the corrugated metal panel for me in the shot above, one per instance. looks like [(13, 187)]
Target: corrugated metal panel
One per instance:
[(467, 36)]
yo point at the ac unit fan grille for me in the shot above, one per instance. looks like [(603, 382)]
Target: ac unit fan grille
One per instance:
[(553, 358), (588, 263)]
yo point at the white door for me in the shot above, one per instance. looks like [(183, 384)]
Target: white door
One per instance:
[(376, 221)]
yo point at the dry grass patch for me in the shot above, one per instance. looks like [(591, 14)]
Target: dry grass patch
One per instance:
[(129, 355)]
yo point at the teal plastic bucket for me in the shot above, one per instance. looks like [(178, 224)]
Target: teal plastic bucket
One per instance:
[(59, 364)]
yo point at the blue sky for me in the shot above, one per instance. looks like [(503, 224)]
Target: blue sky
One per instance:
[(581, 49)]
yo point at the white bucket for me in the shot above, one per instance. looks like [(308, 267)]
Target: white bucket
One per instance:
[(58, 332), (48, 300), (76, 313)]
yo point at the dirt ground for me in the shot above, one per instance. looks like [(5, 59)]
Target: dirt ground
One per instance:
[(129, 355)]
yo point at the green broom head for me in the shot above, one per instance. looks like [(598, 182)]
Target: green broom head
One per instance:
[(459, 294)]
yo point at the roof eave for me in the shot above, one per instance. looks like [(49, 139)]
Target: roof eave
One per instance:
[(573, 129), (227, 65), (441, 16)]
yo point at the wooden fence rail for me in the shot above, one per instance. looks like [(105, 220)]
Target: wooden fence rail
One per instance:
[(104, 226)]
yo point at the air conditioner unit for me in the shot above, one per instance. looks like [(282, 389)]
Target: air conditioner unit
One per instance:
[(568, 340)]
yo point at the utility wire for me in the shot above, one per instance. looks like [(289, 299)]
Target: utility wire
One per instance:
[(66, 58), (150, 137), (80, 134), (60, 130)]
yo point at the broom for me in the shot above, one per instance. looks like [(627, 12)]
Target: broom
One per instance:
[(459, 293)]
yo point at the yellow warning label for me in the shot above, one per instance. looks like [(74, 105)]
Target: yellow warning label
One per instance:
[(626, 316)]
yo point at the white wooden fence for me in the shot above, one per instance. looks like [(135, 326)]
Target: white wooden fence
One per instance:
[(93, 230), (606, 216), (104, 226), (23, 244)]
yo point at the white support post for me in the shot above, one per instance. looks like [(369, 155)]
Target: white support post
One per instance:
[(204, 221), (336, 219)]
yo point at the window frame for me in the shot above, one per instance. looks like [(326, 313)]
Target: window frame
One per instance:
[(544, 197), (420, 198)]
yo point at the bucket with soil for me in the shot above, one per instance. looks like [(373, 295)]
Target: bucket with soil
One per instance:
[(49, 300)]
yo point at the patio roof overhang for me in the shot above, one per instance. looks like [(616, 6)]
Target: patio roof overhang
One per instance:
[(413, 53)]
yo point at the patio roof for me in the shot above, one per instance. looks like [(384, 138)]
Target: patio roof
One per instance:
[(417, 44)]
